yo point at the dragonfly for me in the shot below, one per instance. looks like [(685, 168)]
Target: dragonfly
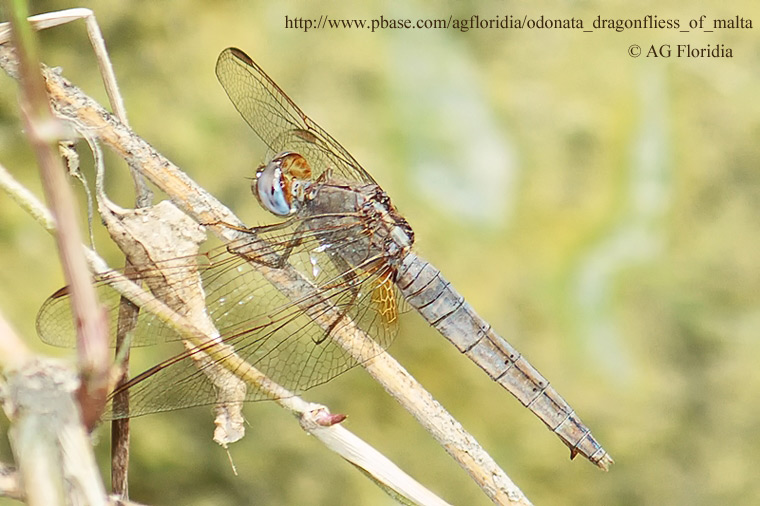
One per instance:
[(352, 252)]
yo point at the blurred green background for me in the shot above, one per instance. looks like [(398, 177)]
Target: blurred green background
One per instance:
[(601, 211)]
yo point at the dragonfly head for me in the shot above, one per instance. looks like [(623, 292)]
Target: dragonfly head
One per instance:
[(280, 185)]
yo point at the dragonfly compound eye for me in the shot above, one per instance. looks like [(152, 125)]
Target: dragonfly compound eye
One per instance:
[(294, 165), (271, 189)]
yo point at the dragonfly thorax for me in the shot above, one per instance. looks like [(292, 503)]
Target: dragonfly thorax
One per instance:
[(282, 185), (357, 223)]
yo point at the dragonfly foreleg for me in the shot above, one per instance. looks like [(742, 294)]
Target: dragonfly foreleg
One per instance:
[(264, 251)]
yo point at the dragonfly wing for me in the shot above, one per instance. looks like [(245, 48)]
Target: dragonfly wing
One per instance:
[(282, 335), (55, 323), (278, 121)]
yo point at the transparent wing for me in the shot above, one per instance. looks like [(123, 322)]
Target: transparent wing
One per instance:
[(278, 121), (275, 332), (327, 282), (55, 325)]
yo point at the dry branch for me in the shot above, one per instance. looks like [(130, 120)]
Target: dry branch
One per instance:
[(43, 132)]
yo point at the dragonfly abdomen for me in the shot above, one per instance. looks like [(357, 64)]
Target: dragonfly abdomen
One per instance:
[(438, 302)]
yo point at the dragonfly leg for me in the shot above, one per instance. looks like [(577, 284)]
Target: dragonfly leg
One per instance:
[(227, 225), (263, 251)]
